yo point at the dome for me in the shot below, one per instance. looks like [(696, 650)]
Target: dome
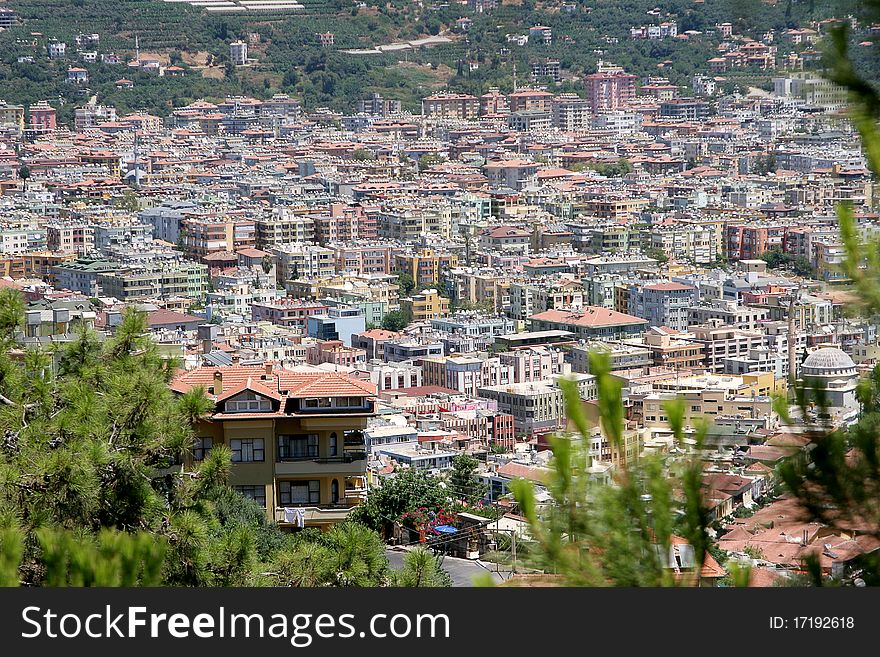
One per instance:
[(828, 360)]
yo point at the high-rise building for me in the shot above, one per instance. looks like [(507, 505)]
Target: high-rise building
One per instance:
[(609, 88)]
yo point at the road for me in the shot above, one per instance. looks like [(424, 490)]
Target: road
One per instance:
[(462, 571)]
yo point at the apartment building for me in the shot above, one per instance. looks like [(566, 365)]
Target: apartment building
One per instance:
[(721, 343), (670, 349), (204, 236), (363, 260), (425, 305), (589, 322), (662, 304), (425, 266), (283, 227), (299, 260), (609, 89), (297, 439), (455, 106), (288, 312), (70, 238)]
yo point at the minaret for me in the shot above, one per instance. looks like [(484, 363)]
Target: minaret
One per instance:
[(137, 49), (514, 77)]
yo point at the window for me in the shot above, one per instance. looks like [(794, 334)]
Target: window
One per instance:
[(255, 493), (202, 448), (297, 447), (247, 450), (299, 492), (334, 444), (334, 492), (321, 402), (248, 402)]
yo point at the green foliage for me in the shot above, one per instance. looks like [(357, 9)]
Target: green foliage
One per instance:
[(407, 491), (349, 554), (595, 534), (799, 265), (405, 282), (422, 569), (463, 481), (657, 254), (615, 170), (394, 321)]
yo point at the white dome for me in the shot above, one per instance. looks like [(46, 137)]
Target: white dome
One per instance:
[(828, 360)]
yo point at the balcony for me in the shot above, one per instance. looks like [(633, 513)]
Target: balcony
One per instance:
[(350, 463), (316, 515)]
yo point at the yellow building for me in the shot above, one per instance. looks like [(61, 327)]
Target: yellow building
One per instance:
[(296, 438), (11, 116), (425, 266), (425, 305)]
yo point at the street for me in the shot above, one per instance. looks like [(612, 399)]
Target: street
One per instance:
[(462, 571)]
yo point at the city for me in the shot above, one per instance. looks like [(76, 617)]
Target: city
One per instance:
[(379, 319)]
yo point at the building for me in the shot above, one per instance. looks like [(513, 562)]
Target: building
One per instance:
[(8, 18), (289, 312), (590, 323), (833, 372), (303, 261), (510, 174), (426, 266), (92, 115), (11, 116), (684, 109), (424, 306), (454, 106), (283, 228), (326, 39), (725, 342), (336, 323), (376, 105), (43, 118), (670, 349), (238, 53), (609, 89), (296, 438), (571, 113), (547, 68), (77, 75), (662, 304)]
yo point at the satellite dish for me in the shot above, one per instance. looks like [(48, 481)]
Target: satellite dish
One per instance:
[(2, 146)]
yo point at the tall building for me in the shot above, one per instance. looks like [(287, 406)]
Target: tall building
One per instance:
[(11, 116), (43, 118), (609, 88), (570, 112), (238, 53), (455, 106)]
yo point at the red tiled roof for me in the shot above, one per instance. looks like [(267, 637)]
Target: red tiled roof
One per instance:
[(518, 471), (163, 317), (292, 384), (590, 317)]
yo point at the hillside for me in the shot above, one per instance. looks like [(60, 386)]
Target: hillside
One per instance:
[(289, 59)]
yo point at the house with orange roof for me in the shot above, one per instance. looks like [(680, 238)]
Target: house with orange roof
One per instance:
[(296, 438)]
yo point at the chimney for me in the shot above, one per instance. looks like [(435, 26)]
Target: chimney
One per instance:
[(268, 366), (218, 382)]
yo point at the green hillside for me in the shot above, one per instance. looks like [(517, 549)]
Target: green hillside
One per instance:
[(288, 58)]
